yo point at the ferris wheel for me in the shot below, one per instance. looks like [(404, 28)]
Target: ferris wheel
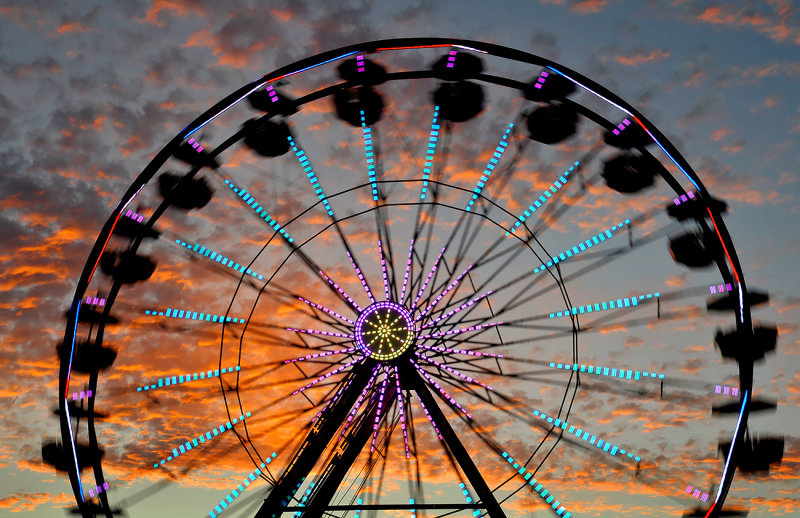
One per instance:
[(416, 277)]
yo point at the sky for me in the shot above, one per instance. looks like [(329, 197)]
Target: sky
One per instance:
[(91, 91)]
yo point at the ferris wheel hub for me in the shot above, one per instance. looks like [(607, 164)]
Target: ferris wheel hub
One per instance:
[(385, 330)]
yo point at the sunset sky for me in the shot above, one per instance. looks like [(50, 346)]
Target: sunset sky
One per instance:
[(91, 91)]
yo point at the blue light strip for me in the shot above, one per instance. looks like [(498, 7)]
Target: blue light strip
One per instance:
[(200, 439), (580, 247), (370, 156), (627, 302), (223, 504), (549, 192), (635, 118), (258, 209), (487, 172), (303, 501), (176, 380), (189, 314), (66, 406), (538, 487), (221, 259), (468, 497), (607, 447), (432, 140), (358, 511), (311, 175), (605, 371)]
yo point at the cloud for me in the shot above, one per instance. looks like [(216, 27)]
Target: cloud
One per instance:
[(638, 59)]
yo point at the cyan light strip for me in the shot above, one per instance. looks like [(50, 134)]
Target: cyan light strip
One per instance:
[(546, 195), (200, 439), (221, 259), (607, 447), (249, 479), (487, 172), (370, 156), (605, 371), (538, 487), (311, 175), (188, 314), (626, 302), (580, 247), (430, 151), (176, 380), (258, 209)]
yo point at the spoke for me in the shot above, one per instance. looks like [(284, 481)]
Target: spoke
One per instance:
[(339, 289), (400, 410), (440, 389), (427, 280), (583, 246), (326, 310), (361, 278), (477, 327), (447, 290), (327, 375), (452, 312), (219, 258), (408, 271), (382, 258), (468, 379), (378, 414)]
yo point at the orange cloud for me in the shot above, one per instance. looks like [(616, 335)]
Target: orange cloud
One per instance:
[(638, 59)]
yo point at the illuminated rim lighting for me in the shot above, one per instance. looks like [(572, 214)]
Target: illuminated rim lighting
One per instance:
[(384, 330)]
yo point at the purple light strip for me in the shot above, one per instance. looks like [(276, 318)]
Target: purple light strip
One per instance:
[(376, 424), (273, 95), (196, 145), (430, 419), (431, 150), (375, 372), (621, 127), (341, 292), (441, 389), (683, 198), (361, 278), (718, 389), (443, 349), (408, 271), (427, 280), (447, 290), (326, 310), (541, 79), (385, 275), (135, 216), (319, 332), (83, 394), (400, 410), (320, 355), (455, 372), (326, 376), (451, 59), (99, 489), (696, 493), (360, 63), (460, 308), (721, 288), (95, 301), (461, 330)]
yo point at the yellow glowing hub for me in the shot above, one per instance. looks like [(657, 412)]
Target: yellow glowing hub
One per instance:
[(384, 330)]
